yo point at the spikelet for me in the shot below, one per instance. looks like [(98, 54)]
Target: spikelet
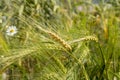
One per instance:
[(60, 40), (49, 46), (57, 38), (84, 39), (91, 38)]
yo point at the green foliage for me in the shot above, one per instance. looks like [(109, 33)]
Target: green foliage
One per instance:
[(60, 40)]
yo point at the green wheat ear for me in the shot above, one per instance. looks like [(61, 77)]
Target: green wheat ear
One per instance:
[(93, 38), (57, 38)]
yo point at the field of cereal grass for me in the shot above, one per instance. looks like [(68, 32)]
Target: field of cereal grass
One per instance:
[(59, 40)]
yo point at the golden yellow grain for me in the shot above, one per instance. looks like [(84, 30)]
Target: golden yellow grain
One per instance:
[(60, 40), (57, 38)]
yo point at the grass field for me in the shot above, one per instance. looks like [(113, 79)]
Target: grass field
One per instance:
[(59, 40)]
